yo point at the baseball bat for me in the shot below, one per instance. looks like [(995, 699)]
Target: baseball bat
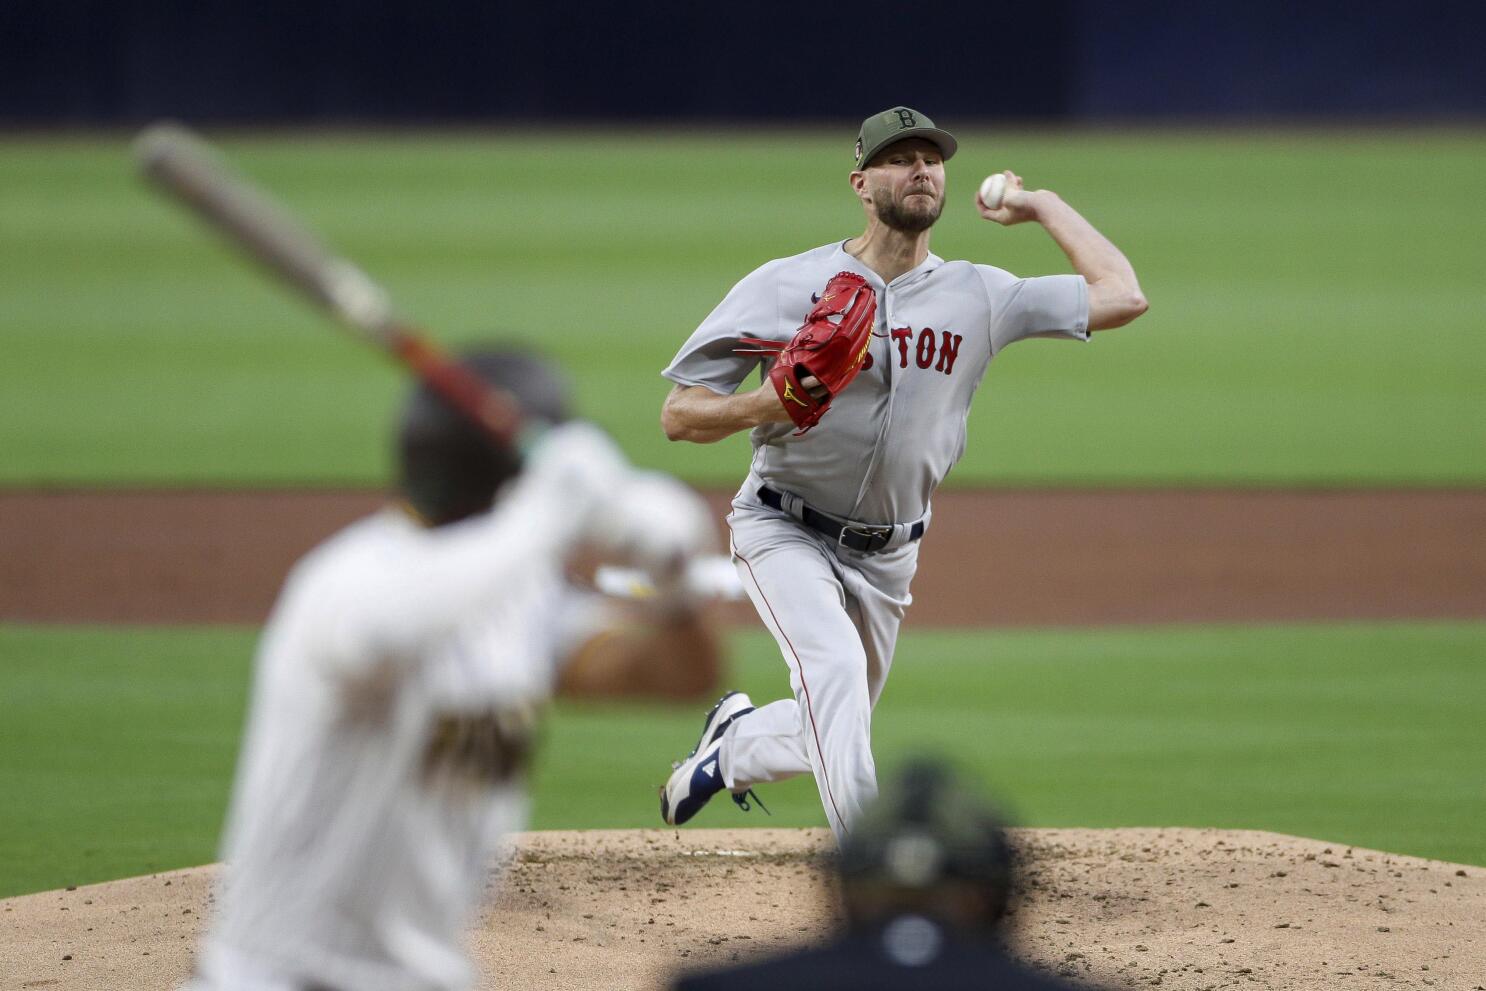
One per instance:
[(192, 172)]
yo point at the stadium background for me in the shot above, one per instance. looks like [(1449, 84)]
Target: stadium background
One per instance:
[(1298, 188)]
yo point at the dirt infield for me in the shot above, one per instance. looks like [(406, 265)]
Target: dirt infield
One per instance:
[(993, 557), (1179, 908)]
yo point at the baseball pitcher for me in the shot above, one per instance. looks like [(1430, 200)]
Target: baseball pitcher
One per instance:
[(871, 350)]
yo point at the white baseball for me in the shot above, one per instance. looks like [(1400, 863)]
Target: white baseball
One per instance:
[(992, 190)]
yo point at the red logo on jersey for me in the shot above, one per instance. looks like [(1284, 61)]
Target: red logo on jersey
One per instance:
[(927, 348)]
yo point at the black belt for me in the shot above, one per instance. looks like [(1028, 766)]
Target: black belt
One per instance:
[(860, 537)]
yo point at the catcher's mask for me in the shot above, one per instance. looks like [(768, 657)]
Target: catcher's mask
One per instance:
[(927, 845), (448, 468)]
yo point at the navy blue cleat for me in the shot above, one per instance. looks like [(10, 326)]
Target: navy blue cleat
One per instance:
[(696, 779)]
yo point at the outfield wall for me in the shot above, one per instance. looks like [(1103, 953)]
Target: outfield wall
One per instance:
[(96, 61)]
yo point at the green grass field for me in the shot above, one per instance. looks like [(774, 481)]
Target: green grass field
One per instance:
[(1317, 316), (116, 745), (1317, 305)]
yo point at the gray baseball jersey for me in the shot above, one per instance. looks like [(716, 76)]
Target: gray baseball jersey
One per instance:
[(876, 457), (892, 435)]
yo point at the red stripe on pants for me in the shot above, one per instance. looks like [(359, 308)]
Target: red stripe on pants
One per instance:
[(809, 709)]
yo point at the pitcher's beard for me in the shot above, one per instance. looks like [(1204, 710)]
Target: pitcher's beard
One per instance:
[(901, 217)]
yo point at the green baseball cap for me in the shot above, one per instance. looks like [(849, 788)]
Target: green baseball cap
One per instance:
[(881, 130)]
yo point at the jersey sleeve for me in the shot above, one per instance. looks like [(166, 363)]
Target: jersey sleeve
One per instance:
[(1045, 306), (707, 358), (394, 607), (382, 604)]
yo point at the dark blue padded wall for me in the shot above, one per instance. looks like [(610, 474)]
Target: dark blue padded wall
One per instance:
[(346, 61)]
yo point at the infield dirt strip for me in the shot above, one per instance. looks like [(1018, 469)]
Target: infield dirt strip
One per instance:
[(991, 557)]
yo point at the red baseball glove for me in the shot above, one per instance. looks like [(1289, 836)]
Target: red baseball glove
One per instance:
[(833, 352)]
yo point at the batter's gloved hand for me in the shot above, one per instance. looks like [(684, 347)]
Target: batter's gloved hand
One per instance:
[(832, 350)]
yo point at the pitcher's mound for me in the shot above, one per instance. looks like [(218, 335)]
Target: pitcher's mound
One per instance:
[(1125, 908)]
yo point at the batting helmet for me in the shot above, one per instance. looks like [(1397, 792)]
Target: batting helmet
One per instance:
[(926, 840), (448, 468)]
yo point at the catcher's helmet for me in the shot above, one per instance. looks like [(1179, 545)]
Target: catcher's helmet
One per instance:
[(448, 468), (925, 837)]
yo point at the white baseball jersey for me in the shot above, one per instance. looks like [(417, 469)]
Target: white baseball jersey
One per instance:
[(891, 436), (876, 457), (395, 683)]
